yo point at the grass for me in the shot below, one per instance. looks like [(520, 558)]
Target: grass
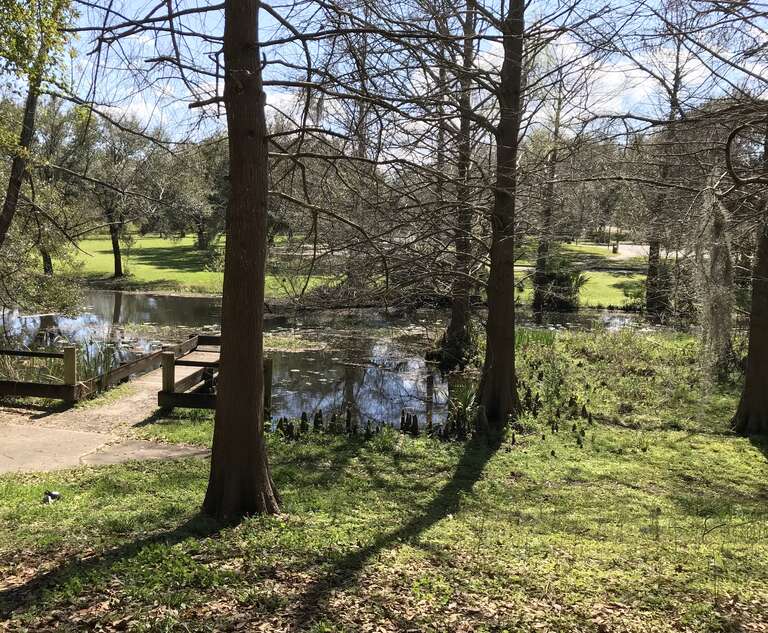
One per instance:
[(161, 264), (603, 289), (157, 263), (654, 521)]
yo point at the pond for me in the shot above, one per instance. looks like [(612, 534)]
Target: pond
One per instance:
[(358, 359)]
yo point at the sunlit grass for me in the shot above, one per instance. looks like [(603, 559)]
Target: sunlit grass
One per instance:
[(650, 521), (157, 263)]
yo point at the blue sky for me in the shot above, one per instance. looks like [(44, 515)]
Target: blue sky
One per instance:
[(126, 85)]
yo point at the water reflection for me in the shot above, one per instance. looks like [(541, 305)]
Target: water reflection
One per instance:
[(373, 363), (162, 310), (394, 378)]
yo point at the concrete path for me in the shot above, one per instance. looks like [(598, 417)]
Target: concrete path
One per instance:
[(26, 448), (34, 438)]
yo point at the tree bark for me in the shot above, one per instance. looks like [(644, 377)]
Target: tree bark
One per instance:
[(498, 391), (240, 482), (203, 242), (20, 159), (114, 235), (457, 341), (752, 415), (47, 262), (654, 291)]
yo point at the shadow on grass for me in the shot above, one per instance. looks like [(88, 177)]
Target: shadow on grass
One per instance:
[(179, 257), (345, 571), (128, 283), (22, 597)]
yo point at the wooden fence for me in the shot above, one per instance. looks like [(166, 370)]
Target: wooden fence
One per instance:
[(198, 389), (71, 389)]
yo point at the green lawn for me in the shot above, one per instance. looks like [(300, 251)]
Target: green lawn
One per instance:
[(653, 521), (156, 263), (603, 289)]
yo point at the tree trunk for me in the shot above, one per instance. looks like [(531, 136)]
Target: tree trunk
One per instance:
[(498, 392), (202, 236), (47, 262), (457, 341), (542, 252), (654, 291), (20, 160), (716, 280), (752, 414), (114, 234), (240, 482)]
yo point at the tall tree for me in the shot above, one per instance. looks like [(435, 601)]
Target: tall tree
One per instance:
[(240, 482), (498, 390), (46, 32), (752, 415), (457, 342)]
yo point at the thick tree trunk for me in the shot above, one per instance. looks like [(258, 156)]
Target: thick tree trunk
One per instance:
[(114, 235), (752, 414), (716, 274), (498, 391), (240, 482), (457, 341)]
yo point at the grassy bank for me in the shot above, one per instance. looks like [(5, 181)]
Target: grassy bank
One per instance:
[(156, 263), (653, 521)]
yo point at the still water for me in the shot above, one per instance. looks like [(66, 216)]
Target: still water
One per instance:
[(362, 360)]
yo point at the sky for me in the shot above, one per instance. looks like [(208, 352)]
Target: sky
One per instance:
[(122, 82)]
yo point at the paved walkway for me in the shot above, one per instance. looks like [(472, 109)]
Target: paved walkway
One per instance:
[(28, 448), (36, 438)]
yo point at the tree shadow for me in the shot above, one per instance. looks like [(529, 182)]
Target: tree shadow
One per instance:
[(42, 410), (477, 453), (760, 442), (159, 416), (22, 597), (129, 283), (178, 257)]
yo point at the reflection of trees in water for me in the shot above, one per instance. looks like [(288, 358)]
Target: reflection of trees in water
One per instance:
[(335, 381), (126, 308)]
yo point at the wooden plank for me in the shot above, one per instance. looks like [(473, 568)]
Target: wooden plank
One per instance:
[(184, 348), (141, 365), (70, 393), (70, 365), (197, 363), (185, 384), (186, 400), (30, 354), (209, 339)]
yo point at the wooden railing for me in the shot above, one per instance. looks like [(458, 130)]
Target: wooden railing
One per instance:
[(197, 390)]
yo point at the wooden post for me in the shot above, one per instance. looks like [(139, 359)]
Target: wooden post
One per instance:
[(267, 388), (169, 372), (70, 365)]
